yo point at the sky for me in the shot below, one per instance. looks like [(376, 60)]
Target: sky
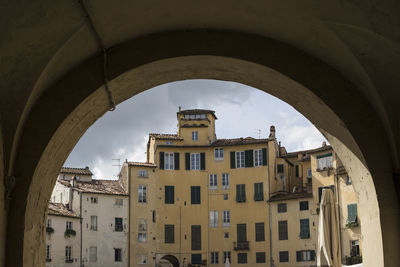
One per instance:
[(241, 110)]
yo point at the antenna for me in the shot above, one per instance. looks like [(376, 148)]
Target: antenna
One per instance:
[(259, 133), (117, 165)]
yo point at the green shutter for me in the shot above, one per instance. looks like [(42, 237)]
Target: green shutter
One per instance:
[(352, 213), (169, 233), (312, 254), (195, 195), (264, 155), (161, 161), (176, 159), (298, 256), (249, 158), (187, 161), (169, 194), (233, 160), (304, 228), (241, 232), (297, 171), (196, 237), (202, 161), (240, 193), (260, 232), (258, 192)]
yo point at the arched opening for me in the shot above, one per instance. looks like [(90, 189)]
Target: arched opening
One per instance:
[(168, 260), (252, 60)]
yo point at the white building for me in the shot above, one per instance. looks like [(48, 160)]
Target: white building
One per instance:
[(103, 208)]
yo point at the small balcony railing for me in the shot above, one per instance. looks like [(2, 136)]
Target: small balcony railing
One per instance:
[(241, 245)]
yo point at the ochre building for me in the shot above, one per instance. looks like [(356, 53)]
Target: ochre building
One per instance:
[(203, 201)]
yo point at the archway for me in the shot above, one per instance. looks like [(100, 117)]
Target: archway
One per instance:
[(171, 259), (256, 61)]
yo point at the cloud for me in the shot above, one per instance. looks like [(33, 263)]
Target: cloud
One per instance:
[(241, 111)]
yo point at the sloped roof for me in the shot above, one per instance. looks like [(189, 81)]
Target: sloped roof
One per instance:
[(142, 164), (288, 196), (197, 112), (165, 136), (97, 186), (59, 209), (239, 141), (82, 171), (309, 151)]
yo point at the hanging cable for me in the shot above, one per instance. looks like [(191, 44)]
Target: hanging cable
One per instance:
[(103, 49)]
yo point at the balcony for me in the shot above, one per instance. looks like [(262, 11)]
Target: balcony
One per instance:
[(241, 245)]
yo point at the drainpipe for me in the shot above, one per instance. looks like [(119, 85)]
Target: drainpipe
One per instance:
[(81, 219), (129, 214), (269, 214)]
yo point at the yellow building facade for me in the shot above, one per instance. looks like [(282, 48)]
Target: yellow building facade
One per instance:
[(199, 200)]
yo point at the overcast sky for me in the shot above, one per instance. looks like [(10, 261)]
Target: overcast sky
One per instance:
[(241, 111)]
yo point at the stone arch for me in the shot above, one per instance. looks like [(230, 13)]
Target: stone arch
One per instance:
[(78, 99), (171, 259)]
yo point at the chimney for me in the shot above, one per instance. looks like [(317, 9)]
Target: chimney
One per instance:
[(87, 167), (272, 131), (323, 143), (180, 109)]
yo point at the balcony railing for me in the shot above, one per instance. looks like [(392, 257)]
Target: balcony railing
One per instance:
[(241, 245)]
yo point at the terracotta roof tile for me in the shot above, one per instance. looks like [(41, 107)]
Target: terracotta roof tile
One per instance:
[(310, 151), (165, 136), (84, 171), (142, 164), (59, 209), (97, 186), (239, 141)]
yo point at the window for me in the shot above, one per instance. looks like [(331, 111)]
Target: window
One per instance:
[(48, 253), (142, 193), (260, 257), (214, 258), (93, 254), (48, 223), (195, 194), (280, 168), (169, 194), (282, 207), (225, 196), (226, 218), (142, 237), (196, 258), (240, 159), (354, 248), (241, 232), (117, 254), (169, 233), (303, 205), (214, 219), (143, 173), (68, 254), (225, 181), (93, 200), (93, 223), (258, 192), (309, 173), (304, 228), (283, 256), (324, 161), (226, 234), (242, 258), (213, 182), (240, 193), (119, 202), (219, 154), (283, 230), (195, 161), (227, 256), (153, 216), (258, 157), (169, 142), (305, 255), (142, 259), (352, 213), (68, 225), (169, 161), (260, 232), (142, 226), (195, 136), (196, 237), (118, 225)]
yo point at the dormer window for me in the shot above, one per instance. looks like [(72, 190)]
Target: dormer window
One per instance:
[(195, 136)]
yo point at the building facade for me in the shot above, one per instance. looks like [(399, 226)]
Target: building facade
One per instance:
[(101, 207)]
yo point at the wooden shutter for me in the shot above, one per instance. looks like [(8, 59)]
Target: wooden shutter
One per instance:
[(161, 161), (260, 257), (169, 233), (196, 237), (169, 194), (195, 194), (283, 230), (240, 193), (351, 213), (312, 254), (249, 158), (260, 232), (176, 160), (258, 192), (233, 160), (202, 161), (304, 228), (264, 155), (298, 256), (241, 232), (297, 171), (187, 161)]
